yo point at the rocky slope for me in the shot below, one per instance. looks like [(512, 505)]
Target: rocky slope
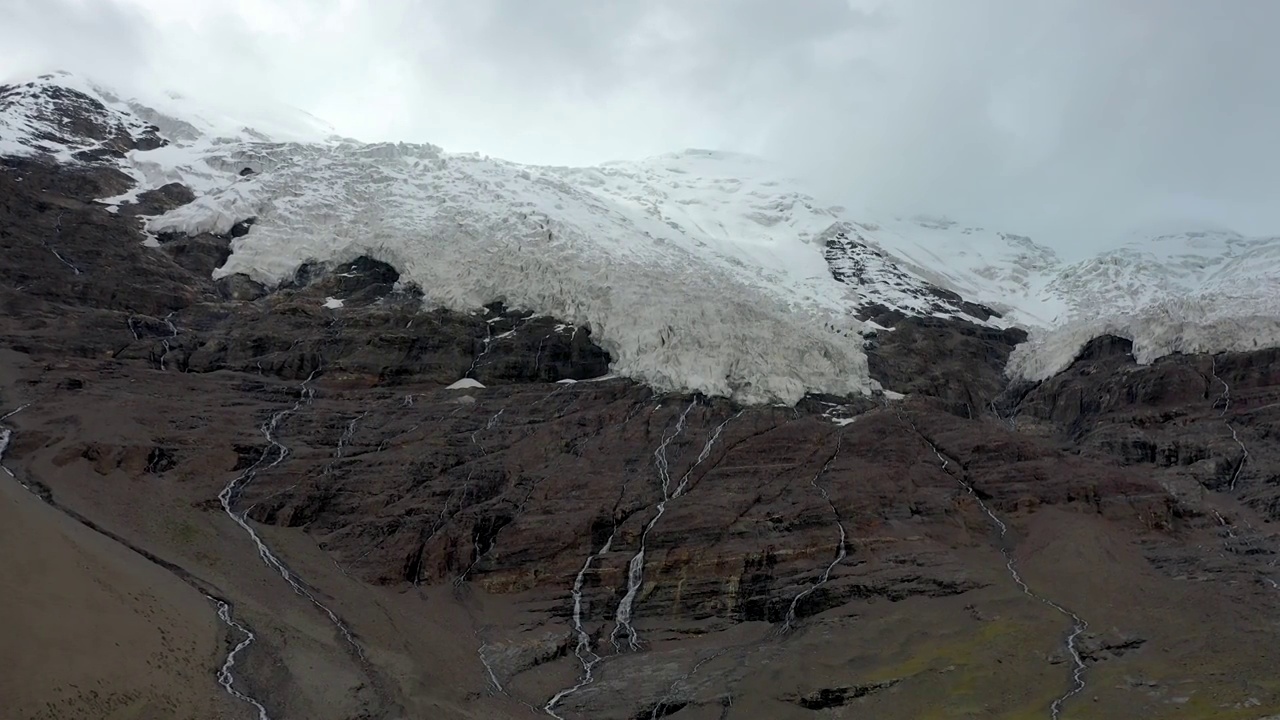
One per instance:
[(410, 511)]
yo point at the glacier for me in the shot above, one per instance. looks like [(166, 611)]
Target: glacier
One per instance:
[(698, 270)]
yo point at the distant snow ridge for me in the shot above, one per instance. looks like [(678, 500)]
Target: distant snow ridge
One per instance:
[(698, 270), (1189, 292), (1201, 324)]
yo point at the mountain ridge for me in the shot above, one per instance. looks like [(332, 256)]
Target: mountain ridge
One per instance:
[(699, 270)]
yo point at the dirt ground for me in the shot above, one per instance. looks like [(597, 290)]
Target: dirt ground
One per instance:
[(92, 630)]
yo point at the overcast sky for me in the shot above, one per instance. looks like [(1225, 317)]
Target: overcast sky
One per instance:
[(1065, 119)]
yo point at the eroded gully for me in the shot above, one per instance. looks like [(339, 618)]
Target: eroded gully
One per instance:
[(587, 657), (841, 546), (1078, 624), (1224, 399), (273, 455)]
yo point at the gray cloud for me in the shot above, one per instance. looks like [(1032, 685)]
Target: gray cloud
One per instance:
[(1068, 119), (39, 36)]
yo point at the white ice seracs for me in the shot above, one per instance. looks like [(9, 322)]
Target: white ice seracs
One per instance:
[(469, 230)]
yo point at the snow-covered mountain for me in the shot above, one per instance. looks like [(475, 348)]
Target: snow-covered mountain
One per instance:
[(1189, 291), (697, 270)]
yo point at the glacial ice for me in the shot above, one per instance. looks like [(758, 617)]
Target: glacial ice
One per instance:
[(698, 270)]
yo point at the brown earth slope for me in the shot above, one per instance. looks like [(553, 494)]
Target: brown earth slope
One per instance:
[(435, 553)]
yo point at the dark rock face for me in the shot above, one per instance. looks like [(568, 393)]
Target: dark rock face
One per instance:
[(201, 255), (65, 249), (240, 287), (853, 261), (161, 200), (828, 698), (840, 556), (956, 361), (160, 460), (364, 279), (1208, 421)]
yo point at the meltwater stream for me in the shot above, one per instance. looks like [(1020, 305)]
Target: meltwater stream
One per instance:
[(841, 549), (1225, 400), (1078, 625), (635, 569), (273, 455), (225, 677), (582, 650)]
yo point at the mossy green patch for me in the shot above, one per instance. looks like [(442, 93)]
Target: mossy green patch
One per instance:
[(183, 532), (993, 667)]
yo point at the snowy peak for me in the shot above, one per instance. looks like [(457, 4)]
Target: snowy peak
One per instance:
[(741, 210), (883, 288), (697, 270), (1169, 292), (60, 116), (1183, 265), (53, 112), (1003, 271)]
